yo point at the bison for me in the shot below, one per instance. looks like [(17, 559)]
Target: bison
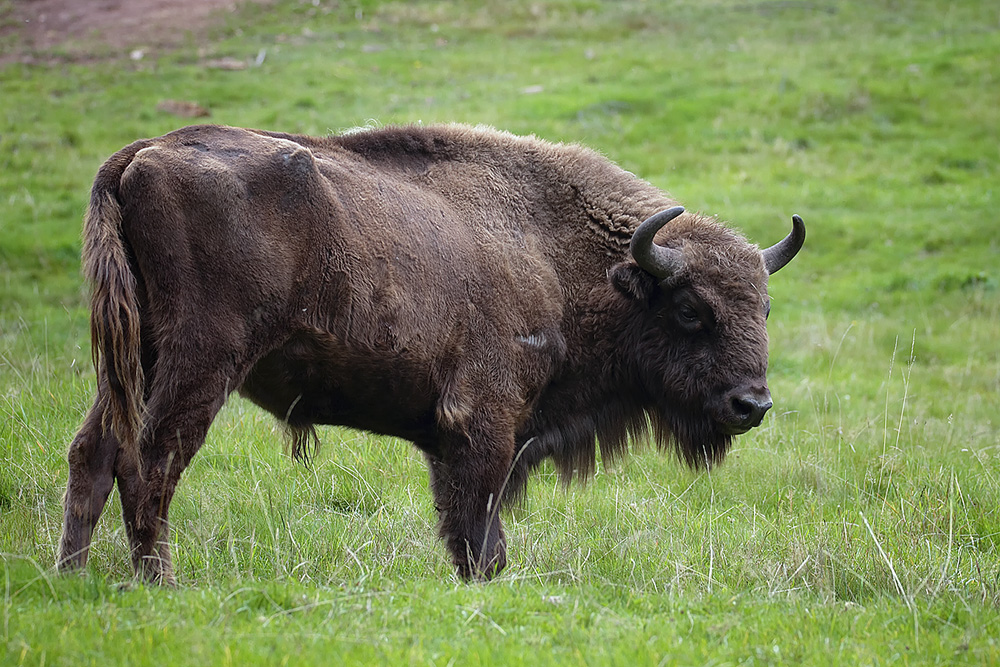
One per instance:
[(497, 300)]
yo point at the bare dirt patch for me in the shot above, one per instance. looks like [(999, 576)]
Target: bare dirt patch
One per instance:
[(69, 29)]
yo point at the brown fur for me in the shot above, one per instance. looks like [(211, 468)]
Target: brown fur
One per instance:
[(463, 288)]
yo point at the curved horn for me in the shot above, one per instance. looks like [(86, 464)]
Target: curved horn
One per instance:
[(781, 253), (661, 262)]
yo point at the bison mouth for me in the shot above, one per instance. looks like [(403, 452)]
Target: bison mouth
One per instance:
[(733, 429)]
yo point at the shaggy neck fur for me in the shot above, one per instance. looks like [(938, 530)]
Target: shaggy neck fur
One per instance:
[(600, 401)]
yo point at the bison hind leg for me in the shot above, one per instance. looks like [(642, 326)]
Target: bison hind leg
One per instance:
[(91, 457), (187, 394)]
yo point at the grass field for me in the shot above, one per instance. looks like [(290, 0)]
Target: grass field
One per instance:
[(859, 525)]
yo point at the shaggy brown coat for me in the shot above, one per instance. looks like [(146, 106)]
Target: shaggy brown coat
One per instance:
[(462, 288)]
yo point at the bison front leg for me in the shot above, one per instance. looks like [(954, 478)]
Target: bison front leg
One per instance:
[(467, 482)]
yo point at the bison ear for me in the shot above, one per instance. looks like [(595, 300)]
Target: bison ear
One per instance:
[(632, 281)]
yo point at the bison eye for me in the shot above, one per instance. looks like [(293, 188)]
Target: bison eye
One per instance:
[(689, 312), (689, 319)]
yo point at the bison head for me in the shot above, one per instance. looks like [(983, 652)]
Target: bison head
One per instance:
[(697, 339)]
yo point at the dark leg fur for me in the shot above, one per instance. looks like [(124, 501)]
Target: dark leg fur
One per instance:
[(145, 502), (92, 456), (467, 483), (177, 423)]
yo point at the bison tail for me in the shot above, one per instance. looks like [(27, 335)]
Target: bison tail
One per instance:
[(114, 315)]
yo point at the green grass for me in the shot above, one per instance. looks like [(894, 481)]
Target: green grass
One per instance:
[(858, 525)]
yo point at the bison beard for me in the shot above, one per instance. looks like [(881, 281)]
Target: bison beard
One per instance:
[(497, 300)]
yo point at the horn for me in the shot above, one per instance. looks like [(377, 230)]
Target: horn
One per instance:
[(661, 262), (781, 253)]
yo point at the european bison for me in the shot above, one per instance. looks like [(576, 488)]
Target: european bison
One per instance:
[(497, 300)]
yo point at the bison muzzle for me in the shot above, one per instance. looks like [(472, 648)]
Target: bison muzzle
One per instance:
[(497, 300)]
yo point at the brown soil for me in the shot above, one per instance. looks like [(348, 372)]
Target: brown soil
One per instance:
[(39, 29)]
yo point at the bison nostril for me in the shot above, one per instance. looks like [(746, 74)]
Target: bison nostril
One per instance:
[(749, 410)]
